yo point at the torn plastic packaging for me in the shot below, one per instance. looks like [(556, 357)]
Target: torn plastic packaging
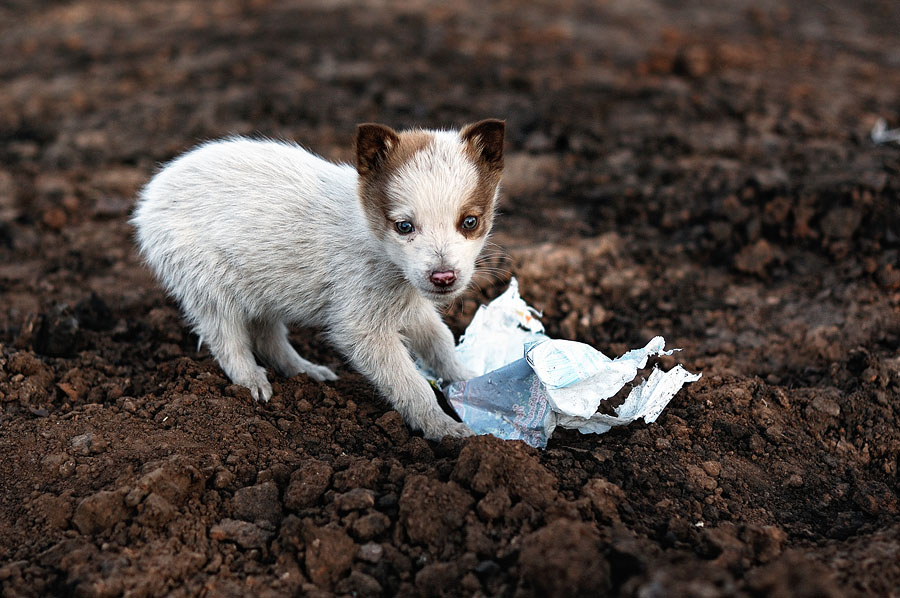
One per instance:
[(530, 383)]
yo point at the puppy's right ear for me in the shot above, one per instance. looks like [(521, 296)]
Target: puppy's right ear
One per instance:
[(374, 144)]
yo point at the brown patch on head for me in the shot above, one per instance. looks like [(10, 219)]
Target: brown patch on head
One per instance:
[(480, 204), (381, 152), (484, 147)]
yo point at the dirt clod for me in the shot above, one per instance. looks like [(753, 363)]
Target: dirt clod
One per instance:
[(357, 499), (329, 553), (486, 463), (564, 559), (257, 503), (242, 533), (99, 512), (308, 483), (430, 509)]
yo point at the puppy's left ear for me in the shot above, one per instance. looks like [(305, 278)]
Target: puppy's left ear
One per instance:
[(486, 140)]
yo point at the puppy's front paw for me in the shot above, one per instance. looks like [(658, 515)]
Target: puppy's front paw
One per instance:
[(459, 430), (256, 381), (321, 373), (437, 427), (456, 371)]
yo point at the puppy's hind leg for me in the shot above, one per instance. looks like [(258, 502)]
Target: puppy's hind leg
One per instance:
[(229, 340), (272, 346)]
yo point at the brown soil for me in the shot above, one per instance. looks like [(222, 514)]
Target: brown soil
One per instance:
[(702, 173)]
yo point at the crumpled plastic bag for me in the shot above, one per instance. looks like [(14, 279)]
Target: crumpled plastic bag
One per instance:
[(530, 383)]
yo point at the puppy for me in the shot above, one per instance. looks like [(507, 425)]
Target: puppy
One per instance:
[(250, 236)]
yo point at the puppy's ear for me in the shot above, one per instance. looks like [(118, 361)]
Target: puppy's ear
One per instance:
[(485, 138), (373, 145)]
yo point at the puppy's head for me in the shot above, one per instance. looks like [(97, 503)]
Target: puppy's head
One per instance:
[(429, 197)]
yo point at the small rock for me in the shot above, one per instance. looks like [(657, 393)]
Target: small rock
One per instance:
[(361, 473), (99, 512), (174, 480), (277, 472), (156, 511), (712, 468), (82, 443), (329, 553), (605, 498), (357, 499), (308, 483), (359, 584), (242, 533), (419, 449), (827, 406), (370, 526), (387, 501), (494, 504), (54, 218), (58, 334), (371, 552), (257, 503), (775, 433), (393, 425), (755, 258), (67, 468), (223, 479), (699, 478)]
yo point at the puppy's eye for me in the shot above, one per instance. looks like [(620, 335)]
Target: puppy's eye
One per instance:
[(469, 222), (404, 227)]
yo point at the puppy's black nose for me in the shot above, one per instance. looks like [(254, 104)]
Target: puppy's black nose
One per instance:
[(443, 279)]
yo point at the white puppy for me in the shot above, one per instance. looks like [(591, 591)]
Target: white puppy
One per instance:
[(252, 235)]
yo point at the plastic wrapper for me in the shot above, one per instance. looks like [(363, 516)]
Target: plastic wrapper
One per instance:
[(530, 383), (881, 134)]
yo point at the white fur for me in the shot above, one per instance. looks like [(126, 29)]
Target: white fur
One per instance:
[(252, 235)]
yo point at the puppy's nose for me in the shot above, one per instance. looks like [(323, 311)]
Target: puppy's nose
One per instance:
[(443, 279)]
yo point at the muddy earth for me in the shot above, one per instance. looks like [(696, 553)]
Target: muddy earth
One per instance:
[(704, 173)]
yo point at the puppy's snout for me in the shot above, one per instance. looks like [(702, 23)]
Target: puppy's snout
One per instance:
[(443, 278)]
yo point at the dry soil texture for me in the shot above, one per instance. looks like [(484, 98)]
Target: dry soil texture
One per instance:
[(702, 172)]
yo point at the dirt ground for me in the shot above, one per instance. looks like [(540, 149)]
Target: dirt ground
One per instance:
[(702, 172)]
